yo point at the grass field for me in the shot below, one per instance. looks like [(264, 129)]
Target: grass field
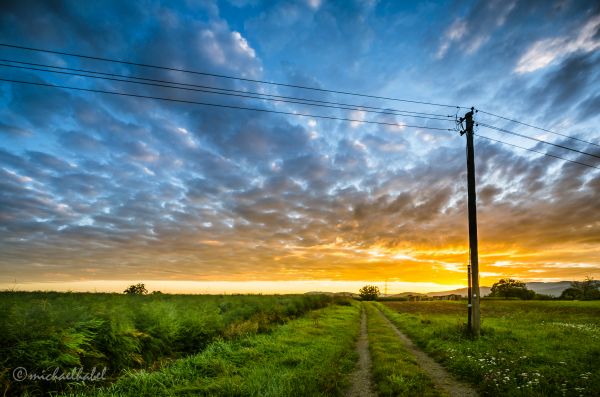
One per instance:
[(40, 331), (527, 348), (291, 345)]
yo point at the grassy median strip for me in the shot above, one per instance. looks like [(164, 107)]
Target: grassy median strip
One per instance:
[(309, 356), (395, 371)]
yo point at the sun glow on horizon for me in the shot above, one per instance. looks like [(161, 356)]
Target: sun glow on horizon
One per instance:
[(231, 287)]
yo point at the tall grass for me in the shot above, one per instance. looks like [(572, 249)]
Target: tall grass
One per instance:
[(44, 330), (309, 356)]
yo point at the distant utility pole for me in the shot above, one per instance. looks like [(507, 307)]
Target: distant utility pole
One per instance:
[(474, 321)]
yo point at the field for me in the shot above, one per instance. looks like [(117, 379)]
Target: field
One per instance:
[(39, 331), (291, 345), (527, 348)]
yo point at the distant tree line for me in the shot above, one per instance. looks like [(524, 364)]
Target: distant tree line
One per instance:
[(508, 288), (588, 289)]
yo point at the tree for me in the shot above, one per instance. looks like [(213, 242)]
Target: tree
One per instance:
[(137, 289), (509, 288), (369, 292), (571, 294), (588, 289)]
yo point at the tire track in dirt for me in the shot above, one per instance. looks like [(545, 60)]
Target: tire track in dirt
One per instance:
[(362, 385), (440, 377)]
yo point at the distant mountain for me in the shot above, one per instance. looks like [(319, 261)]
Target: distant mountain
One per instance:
[(552, 289), (461, 291), (405, 294), (348, 294)]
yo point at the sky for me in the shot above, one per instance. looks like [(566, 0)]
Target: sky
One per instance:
[(99, 191)]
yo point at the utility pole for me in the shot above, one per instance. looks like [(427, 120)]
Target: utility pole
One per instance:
[(474, 321)]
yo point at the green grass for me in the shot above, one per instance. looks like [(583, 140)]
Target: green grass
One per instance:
[(395, 371), (527, 348), (309, 356), (41, 331)]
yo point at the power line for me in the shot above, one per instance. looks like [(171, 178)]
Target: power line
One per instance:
[(281, 98), (223, 105), (538, 128), (212, 90), (538, 140), (536, 151), (226, 76), (354, 106)]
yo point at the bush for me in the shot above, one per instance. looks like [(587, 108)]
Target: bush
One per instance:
[(137, 289), (588, 289), (543, 297), (369, 292)]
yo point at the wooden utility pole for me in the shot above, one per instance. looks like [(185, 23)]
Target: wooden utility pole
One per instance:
[(474, 322)]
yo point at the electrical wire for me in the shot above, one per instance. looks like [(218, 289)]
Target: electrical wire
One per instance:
[(294, 114), (281, 99), (538, 140), (535, 151), (217, 91), (222, 105), (70, 54), (353, 106), (539, 128)]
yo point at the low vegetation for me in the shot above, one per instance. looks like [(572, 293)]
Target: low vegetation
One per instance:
[(310, 356), (369, 292), (287, 345), (395, 371), (40, 331), (527, 348)]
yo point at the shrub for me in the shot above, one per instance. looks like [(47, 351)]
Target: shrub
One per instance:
[(369, 292), (137, 289)]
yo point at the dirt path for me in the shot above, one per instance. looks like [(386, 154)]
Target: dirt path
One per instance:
[(361, 377), (440, 377)]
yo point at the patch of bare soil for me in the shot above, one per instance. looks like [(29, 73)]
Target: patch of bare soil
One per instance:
[(361, 377)]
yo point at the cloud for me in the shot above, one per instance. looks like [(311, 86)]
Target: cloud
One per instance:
[(475, 29), (455, 32), (547, 51), (566, 86), (121, 187), (314, 4), (13, 131)]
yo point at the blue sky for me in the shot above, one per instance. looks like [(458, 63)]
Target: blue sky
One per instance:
[(97, 187)]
